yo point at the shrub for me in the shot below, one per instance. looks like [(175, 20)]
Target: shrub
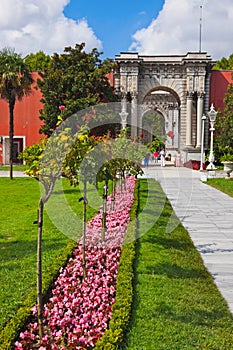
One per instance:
[(194, 164), (114, 336)]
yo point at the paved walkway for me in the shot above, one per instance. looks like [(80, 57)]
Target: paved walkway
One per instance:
[(6, 173), (207, 214)]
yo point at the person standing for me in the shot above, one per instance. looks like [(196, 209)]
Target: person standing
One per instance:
[(156, 154), (162, 156), (146, 159)]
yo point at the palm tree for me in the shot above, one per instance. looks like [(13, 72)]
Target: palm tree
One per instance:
[(15, 82)]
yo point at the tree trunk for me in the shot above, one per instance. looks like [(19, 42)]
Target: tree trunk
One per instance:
[(42, 202), (105, 197), (11, 134), (84, 228), (39, 268), (113, 195)]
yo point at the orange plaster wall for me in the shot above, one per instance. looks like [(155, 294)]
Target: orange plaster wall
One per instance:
[(219, 82), (111, 79), (26, 117)]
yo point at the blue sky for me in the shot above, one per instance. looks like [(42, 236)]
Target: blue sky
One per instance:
[(149, 27), (114, 23)]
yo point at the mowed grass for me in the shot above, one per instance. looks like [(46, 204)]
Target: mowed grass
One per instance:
[(224, 185), (18, 238), (176, 303)]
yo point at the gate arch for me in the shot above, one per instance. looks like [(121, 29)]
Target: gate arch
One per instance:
[(185, 78), (164, 101)]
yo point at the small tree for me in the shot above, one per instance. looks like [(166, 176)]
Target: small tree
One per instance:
[(80, 148), (45, 164)]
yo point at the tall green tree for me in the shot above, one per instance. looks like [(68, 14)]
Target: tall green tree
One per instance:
[(37, 62), (224, 63), (15, 82), (75, 79), (224, 127)]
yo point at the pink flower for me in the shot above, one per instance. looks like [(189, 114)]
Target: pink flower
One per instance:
[(62, 107)]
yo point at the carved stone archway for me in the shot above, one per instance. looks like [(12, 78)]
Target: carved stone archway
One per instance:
[(176, 86)]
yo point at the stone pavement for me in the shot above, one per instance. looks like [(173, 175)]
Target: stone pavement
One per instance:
[(6, 173), (207, 214)]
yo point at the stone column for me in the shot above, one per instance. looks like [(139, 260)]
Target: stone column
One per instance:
[(134, 115), (200, 96), (189, 119)]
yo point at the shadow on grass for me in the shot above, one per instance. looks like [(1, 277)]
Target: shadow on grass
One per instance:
[(19, 249), (195, 316), (174, 271), (169, 242)]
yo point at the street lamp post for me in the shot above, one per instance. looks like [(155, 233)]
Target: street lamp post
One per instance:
[(123, 115), (212, 117), (202, 140)]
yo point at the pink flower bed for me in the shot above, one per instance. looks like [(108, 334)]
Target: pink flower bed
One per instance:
[(79, 310)]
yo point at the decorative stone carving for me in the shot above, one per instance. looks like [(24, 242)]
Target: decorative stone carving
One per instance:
[(182, 79)]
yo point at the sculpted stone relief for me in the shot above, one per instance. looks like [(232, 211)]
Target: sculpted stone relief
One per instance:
[(184, 78)]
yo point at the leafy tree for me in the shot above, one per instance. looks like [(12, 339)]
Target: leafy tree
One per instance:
[(15, 82), (154, 145), (37, 62), (75, 79), (45, 163), (122, 157), (224, 63), (80, 148), (155, 122), (224, 127)]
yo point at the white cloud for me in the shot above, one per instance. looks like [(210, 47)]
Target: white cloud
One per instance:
[(31, 25), (176, 29)]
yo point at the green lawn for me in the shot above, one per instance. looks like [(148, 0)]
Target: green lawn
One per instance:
[(224, 185), (176, 303), (18, 239)]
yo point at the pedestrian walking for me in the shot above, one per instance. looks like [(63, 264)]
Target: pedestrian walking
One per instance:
[(162, 156), (146, 159)]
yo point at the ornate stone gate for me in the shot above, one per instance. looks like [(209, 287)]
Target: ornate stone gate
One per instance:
[(176, 87)]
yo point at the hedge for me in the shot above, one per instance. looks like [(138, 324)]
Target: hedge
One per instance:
[(113, 337)]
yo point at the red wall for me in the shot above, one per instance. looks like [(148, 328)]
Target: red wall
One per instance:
[(26, 117), (111, 79), (219, 81)]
